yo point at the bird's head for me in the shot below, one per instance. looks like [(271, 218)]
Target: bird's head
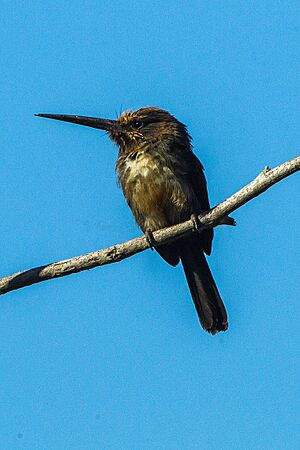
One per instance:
[(135, 128)]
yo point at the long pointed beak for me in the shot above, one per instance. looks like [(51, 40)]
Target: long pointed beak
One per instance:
[(94, 122)]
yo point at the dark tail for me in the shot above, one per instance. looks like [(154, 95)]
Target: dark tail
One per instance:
[(205, 294)]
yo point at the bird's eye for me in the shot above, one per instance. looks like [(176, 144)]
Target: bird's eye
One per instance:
[(137, 124)]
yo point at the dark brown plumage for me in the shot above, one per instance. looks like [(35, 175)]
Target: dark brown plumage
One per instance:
[(164, 184)]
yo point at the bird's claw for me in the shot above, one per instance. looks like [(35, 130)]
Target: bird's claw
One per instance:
[(150, 239), (196, 223)]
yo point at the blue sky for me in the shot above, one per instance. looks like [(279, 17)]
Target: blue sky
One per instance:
[(114, 358)]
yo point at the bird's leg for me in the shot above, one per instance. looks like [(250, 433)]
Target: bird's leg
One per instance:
[(196, 223), (150, 238)]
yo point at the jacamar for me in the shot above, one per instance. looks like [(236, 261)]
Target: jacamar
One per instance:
[(164, 184)]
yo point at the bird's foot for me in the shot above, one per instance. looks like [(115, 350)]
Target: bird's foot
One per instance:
[(150, 238), (196, 223), (198, 227)]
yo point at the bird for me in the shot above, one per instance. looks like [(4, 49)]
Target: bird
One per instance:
[(164, 184)]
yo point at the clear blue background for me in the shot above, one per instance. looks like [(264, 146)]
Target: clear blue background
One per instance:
[(114, 358)]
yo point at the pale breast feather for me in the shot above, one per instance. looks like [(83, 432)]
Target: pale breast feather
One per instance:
[(140, 166), (153, 191)]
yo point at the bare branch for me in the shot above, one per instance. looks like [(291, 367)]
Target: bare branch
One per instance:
[(118, 252)]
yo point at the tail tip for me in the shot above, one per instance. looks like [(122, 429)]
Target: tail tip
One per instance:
[(215, 328)]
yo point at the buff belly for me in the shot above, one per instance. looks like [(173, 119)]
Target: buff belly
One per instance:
[(155, 195)]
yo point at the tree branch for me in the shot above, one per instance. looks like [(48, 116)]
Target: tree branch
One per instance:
[(118, 252)]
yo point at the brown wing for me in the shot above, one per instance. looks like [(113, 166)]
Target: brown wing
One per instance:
[(197, 179), (194, 174), (170, 253)]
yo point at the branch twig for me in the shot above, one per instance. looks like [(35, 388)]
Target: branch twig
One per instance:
[(118, 252)]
